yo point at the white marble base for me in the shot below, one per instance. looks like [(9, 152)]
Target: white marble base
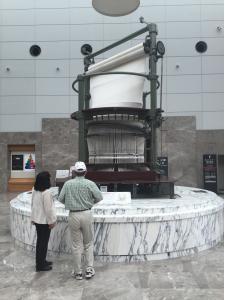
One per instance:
[(144, 229)]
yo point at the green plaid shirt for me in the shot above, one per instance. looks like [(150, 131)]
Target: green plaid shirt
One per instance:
[(79, 194)]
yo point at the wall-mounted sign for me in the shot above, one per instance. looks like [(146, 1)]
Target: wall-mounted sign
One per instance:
[(210, 172), (17, 162), (61, 174), (22, 164), (29, 161), (104, 188), (163, 165)]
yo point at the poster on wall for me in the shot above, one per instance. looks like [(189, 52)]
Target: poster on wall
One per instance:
[(17, 162), (29, 162), (210, 172)]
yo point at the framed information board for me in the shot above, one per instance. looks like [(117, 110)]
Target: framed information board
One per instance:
[(210, 172), (17, 162), (163, 165)]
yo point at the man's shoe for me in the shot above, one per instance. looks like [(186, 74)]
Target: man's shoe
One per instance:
[(90, 272), (45, 268), (77, 276), (48, 263)]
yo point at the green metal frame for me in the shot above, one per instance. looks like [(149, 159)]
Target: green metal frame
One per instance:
[(155, 114)]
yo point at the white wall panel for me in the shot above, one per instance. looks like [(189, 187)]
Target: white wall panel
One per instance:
[(184, 84), (85, 16), (215, 46), (52, 33), (212, 12), (17, 104), (52, 16), (212, 64), (153, 2), (184, 102), (80, 3), (52, 86), (48, 68), (73, 103), (209, 29), (182, 2), (52, 104), (17, 86), (213, 102), (212, 83), (15, 50), (180, 47), (54, 50), (183, 13), (18, 17), (52, 3), (48, 92), (186, 30), (183, 65), (214, 2), (76, 67), (15, 4), (18, 123), (86, 32), (18, 68), (186, 47), (116, 31), (16, 33), (121, 20), (212, 120), (151, 14)]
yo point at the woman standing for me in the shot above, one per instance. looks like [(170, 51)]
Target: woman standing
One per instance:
[(43, 216)]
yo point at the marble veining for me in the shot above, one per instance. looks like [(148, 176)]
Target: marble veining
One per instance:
[(136, 230)]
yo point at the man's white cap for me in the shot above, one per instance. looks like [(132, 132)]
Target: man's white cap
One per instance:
[(80, 166)]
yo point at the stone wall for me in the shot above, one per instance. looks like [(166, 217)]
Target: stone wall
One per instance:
[(179, 145), (59, 144), (56, 147)]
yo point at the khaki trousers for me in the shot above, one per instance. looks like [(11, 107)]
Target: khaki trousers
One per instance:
[(81, 231)]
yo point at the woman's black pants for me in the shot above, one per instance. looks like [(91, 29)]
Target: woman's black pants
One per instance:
[(43, 234)]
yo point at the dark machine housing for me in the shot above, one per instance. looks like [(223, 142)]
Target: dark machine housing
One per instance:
[(141, 178)]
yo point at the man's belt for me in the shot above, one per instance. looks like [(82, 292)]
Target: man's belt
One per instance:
[(79, 210)]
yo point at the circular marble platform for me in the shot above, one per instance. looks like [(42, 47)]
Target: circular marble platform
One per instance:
[(144, 229)]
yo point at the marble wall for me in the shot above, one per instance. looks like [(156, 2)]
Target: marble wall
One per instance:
[(133, 230), (57, 147)]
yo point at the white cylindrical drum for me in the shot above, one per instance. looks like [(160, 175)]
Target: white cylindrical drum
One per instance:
[(119, 90)]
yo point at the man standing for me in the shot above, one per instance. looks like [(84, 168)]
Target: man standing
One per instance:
[(79, 195)]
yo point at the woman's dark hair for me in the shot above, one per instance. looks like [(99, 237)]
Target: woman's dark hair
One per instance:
[(42, 181)]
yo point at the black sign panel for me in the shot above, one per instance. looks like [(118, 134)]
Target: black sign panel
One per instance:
[(17, 162), (163, 165), (210, 172)]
